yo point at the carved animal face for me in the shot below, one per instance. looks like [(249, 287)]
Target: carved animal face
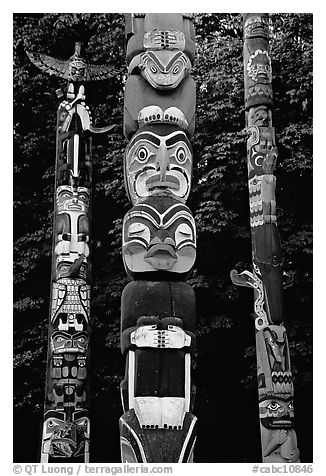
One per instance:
[(259, 66), (275, 343), (163, 69), (77, 70), (65, 343), (159, 235), (276, 413), (256, 26), (63, 438), (158, 158)]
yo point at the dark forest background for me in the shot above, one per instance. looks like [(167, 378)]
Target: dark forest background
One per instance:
[(224, 368)]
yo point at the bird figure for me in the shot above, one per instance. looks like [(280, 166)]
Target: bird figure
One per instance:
[(74, 69)]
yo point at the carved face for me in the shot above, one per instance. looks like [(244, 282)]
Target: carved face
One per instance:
[(63, 438), (77, 70), (65, 343), (158, 158), (276, 413), (259, 116), (159, 235), (259, 67), (162, 69), (71, 199), (275, 343), (70, 305), (256, 26)]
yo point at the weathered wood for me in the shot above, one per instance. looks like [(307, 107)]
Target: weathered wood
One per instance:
[(275, 386)]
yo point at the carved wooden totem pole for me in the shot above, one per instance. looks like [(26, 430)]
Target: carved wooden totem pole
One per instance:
[(275, 386), (66, 427), (159, 240)]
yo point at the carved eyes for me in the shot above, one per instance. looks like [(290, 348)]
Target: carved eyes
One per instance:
[(290, 406), (60, 339), (176, 70), (65, 195), (82, 196), (274, 406), (81, 422), (139, 230), (153, 69), (181, 155), (183, 233), (142, 154)]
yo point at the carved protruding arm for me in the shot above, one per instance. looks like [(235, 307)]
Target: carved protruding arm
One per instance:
[(275, 387)]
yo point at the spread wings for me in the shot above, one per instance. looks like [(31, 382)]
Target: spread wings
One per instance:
[(50, 65), (61, 68)]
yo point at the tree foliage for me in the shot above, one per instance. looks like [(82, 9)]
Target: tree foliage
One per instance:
[(224, 370)]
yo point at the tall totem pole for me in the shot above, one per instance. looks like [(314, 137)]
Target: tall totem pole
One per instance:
[(275, 386), (159, 240), (66, 426)]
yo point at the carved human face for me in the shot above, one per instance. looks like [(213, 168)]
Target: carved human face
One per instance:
[(277, 412), (159, 235), (158, 158), (259, 116), (163, 69), (72, 199)]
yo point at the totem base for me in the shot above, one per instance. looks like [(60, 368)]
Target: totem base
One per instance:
[(139, 445)]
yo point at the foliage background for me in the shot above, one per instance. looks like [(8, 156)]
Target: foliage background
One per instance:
[(224, 368)]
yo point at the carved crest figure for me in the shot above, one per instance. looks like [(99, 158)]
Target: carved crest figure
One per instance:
[(158, 158), (74, 69)]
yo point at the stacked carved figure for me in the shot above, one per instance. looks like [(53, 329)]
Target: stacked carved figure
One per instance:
[(159, 241), (66, 427), (275, 386)]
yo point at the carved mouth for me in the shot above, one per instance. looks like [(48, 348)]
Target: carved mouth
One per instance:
[(277, 423), (161, 249), (74, 206), (169, 182), (70, 350)]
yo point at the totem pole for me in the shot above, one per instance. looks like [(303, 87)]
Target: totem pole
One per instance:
[(275, 386), (66, 426), (159, 240)]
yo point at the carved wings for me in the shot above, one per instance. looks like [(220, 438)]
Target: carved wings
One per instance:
[(62, 68)]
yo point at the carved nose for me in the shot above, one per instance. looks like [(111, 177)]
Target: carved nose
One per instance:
[(162, 161), (162, 237)]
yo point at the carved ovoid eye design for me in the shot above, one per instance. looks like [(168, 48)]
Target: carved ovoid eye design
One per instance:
[(142, 154), (153, 69), (181, 155), (176, 70), (183, 235), (140, 232), (274, 406)]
